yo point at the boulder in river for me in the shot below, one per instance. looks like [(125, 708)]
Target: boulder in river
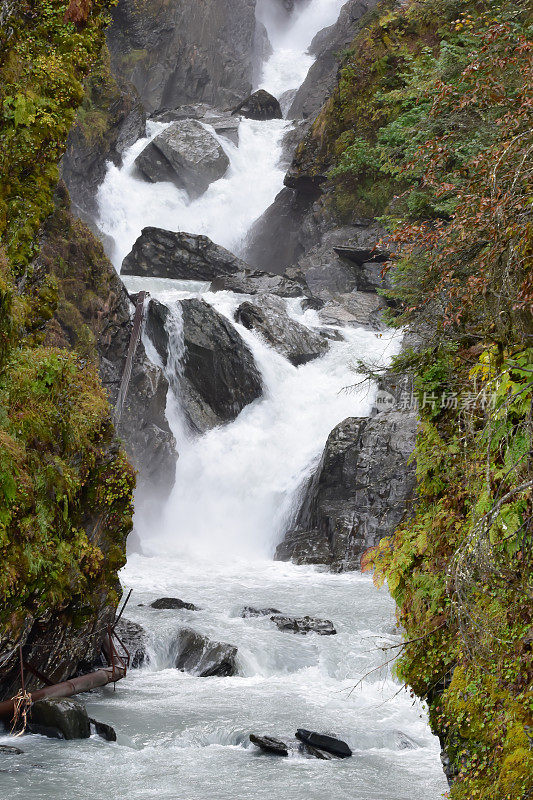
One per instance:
[(134, 638), (223, 122), (60, 718), (186, 154), (158, 253), (217, 376), (261, 105), (200, 656), (270, 745), (293, 340), (173, 603), (321, 742), (304, 625), (258, 282)]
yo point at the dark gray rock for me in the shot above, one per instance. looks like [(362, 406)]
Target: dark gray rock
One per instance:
[(304, 625), (104, 730), (9, 750), (60, 718), (308, 751), (358, 494), (270, 319), (186, 154), (134, 638), (185, 52), (204, 658), (260, 105), (270, 745), (321, 742), (173, 603), (217, 376), (250, 611), (183, 256)]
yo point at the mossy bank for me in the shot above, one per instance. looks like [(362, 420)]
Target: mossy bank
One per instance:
[(425, 133)]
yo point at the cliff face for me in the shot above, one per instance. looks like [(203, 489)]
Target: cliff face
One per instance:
[(66, 486), (178, 52)]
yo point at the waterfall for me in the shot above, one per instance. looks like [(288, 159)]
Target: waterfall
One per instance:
[(237, 488)]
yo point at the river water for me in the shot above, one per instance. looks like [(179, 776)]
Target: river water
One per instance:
[(237, 487)]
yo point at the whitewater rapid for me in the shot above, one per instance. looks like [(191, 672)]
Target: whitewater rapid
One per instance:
[(236, 491)]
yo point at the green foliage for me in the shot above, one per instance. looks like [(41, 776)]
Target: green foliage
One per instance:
[(56, 465)]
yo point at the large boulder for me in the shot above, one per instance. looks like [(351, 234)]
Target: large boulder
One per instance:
[(60, 718), (204, 658), (261, 105), (358, 494), (270, 319), (224, 122), (216, 376), (186, 154), (158, 253)]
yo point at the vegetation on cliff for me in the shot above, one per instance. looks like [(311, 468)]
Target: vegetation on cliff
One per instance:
[(65, 485), (430, 128)]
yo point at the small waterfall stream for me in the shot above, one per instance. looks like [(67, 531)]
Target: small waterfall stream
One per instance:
[(186, 738)]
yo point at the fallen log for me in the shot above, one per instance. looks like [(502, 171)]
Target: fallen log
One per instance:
[(93, 680)]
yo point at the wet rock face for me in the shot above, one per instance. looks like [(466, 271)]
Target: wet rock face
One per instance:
[(186, 154), (358, 494), (204, 658), (84, 165), (134, 638), (217, 376), (260, 105), (269, 318), (326, 46), (185, 51), (60, 718)]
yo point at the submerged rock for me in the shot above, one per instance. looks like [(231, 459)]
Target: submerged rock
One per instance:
[(304, 625), (9, 750), (173, 603), (104, 730), (321, 742), (270, 745), (269, 317), (250, 611), (216, 376), (134, 638), (186, 154), (261, 105), (204, 658), (358, 494), (60, 718)]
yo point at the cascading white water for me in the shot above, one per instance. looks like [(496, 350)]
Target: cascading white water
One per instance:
[(186, 738)]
